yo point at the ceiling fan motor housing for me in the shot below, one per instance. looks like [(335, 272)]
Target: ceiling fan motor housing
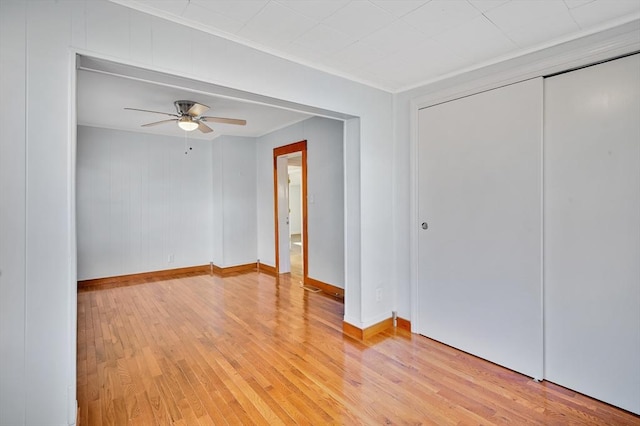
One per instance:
[(183, 107)]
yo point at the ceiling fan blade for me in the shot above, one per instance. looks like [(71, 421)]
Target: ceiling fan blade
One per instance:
[(158, 122), (155, 112), (225, 120), (204, 128), (197, 110)]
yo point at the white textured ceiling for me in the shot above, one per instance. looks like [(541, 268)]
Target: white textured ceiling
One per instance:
[(394, 44)]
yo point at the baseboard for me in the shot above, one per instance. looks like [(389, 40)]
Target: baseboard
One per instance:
[(145, 276), (233, 270), (351, 330), (327, 288), (360, 334), (404, 324), (377, 328), (267, 269)]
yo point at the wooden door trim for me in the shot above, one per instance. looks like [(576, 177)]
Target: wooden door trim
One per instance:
[(300, 146)]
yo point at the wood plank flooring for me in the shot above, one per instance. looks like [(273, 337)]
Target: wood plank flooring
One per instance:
[(295, 254), (252, 349)]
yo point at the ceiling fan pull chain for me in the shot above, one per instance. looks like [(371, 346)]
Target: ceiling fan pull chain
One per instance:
[(186, 144)]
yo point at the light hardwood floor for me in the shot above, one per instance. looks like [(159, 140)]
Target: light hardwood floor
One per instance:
[(296, 256), (251, 349)]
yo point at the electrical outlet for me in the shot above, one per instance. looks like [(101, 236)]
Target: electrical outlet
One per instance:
[(378, 294), (170, 258)]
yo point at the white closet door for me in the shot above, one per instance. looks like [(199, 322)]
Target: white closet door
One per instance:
[(479, 272), (592, 231)]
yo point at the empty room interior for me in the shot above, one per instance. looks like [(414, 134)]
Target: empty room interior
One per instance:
[(319, 212)]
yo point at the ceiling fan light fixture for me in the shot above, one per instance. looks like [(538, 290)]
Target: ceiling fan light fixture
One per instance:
[(187, 124), (190, 118)]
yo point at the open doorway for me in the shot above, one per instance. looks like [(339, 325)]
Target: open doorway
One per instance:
[(290, 208), (329, 198), (294, 169)]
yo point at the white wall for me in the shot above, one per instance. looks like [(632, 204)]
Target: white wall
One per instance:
[(141, 199), (325, 186), (234, 161), (36, 43), (217, 191), (295, 200), (12, 215), (295, 206)]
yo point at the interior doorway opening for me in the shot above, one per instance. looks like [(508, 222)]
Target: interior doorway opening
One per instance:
[(290, 208), (294, 169)]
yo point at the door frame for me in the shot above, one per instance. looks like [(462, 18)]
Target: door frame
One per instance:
[(300, 146)]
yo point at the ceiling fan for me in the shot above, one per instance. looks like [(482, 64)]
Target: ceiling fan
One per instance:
[(189, 117)]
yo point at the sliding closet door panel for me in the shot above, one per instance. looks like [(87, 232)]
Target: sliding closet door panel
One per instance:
[(480, 257), (592, 231)]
